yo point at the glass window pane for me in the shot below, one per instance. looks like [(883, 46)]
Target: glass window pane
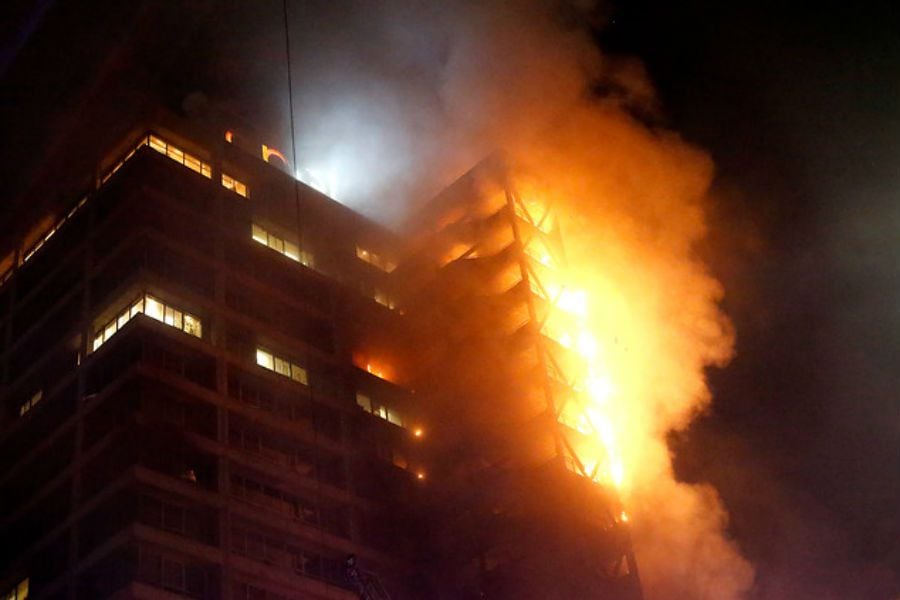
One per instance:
[(364, 402), (264, 359), (276, 243), (137, 307), (98, 341), (192, 325), (259, 234), (175, 154), (191, 163), (291, 251), (157, 144), (153, 308), (298, 374), (205, 170), (282, 367), (177, 319), (169, 316), (394, 418), (123, 318)]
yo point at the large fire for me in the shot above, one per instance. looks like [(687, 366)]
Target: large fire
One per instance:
[(636, 306)]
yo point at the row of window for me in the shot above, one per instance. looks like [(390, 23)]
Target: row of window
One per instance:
[(239, 188), (281, 245), (385, 299), (376, 260), (180, 156), (379, 410), (31, 402), (183, 158), (155, 309), (43, 240), (281, 365)]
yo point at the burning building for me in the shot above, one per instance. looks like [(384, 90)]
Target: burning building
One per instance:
[(220, 383), (217, 381)]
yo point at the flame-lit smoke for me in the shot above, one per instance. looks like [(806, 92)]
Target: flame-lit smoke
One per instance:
[(395, 99), (630, 203)]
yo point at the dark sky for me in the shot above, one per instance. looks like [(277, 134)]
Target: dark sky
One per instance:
[(800, 108)]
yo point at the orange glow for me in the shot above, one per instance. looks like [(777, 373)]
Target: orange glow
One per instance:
[(420, 475), (229, 136), (635, 321), (270, 152), (374, 366), (418, 432)]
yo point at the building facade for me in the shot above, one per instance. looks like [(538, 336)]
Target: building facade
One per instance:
[(219, 383)]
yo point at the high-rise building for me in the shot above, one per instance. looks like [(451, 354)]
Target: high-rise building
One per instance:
[(219, 383)]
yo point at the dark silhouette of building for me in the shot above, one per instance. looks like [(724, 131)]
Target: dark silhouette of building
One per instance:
[(208, 373), (217, 382)]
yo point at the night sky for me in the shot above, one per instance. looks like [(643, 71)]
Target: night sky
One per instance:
[(800, 109)]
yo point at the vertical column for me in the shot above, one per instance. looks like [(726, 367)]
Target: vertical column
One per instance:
[(218, 332), (87, 271)]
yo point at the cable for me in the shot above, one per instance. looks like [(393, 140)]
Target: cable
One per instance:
[(313, 411)]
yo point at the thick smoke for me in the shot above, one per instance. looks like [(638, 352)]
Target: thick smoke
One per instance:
[(632, 208), (395, 99)]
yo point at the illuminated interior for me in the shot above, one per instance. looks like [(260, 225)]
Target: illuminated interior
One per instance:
[(379, 410), (155, 309), (385, 299), (376, 260), (280, 365), (239, 188), (31, 402), (175, 153), (280, 245)]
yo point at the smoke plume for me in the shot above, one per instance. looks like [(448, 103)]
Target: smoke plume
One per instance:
[(395, 99)]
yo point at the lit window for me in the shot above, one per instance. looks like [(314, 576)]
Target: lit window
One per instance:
[(264, 359), (291, 251), (280, 245), (192, 326), (394, 418), (31, 402), (259, 234), (399, 460), (298, 374), (43, 238), (175, 153), (379, 410), (364, 402), (230, 183), (375, 260), (155, 309), (281, 365), (384, 299)]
